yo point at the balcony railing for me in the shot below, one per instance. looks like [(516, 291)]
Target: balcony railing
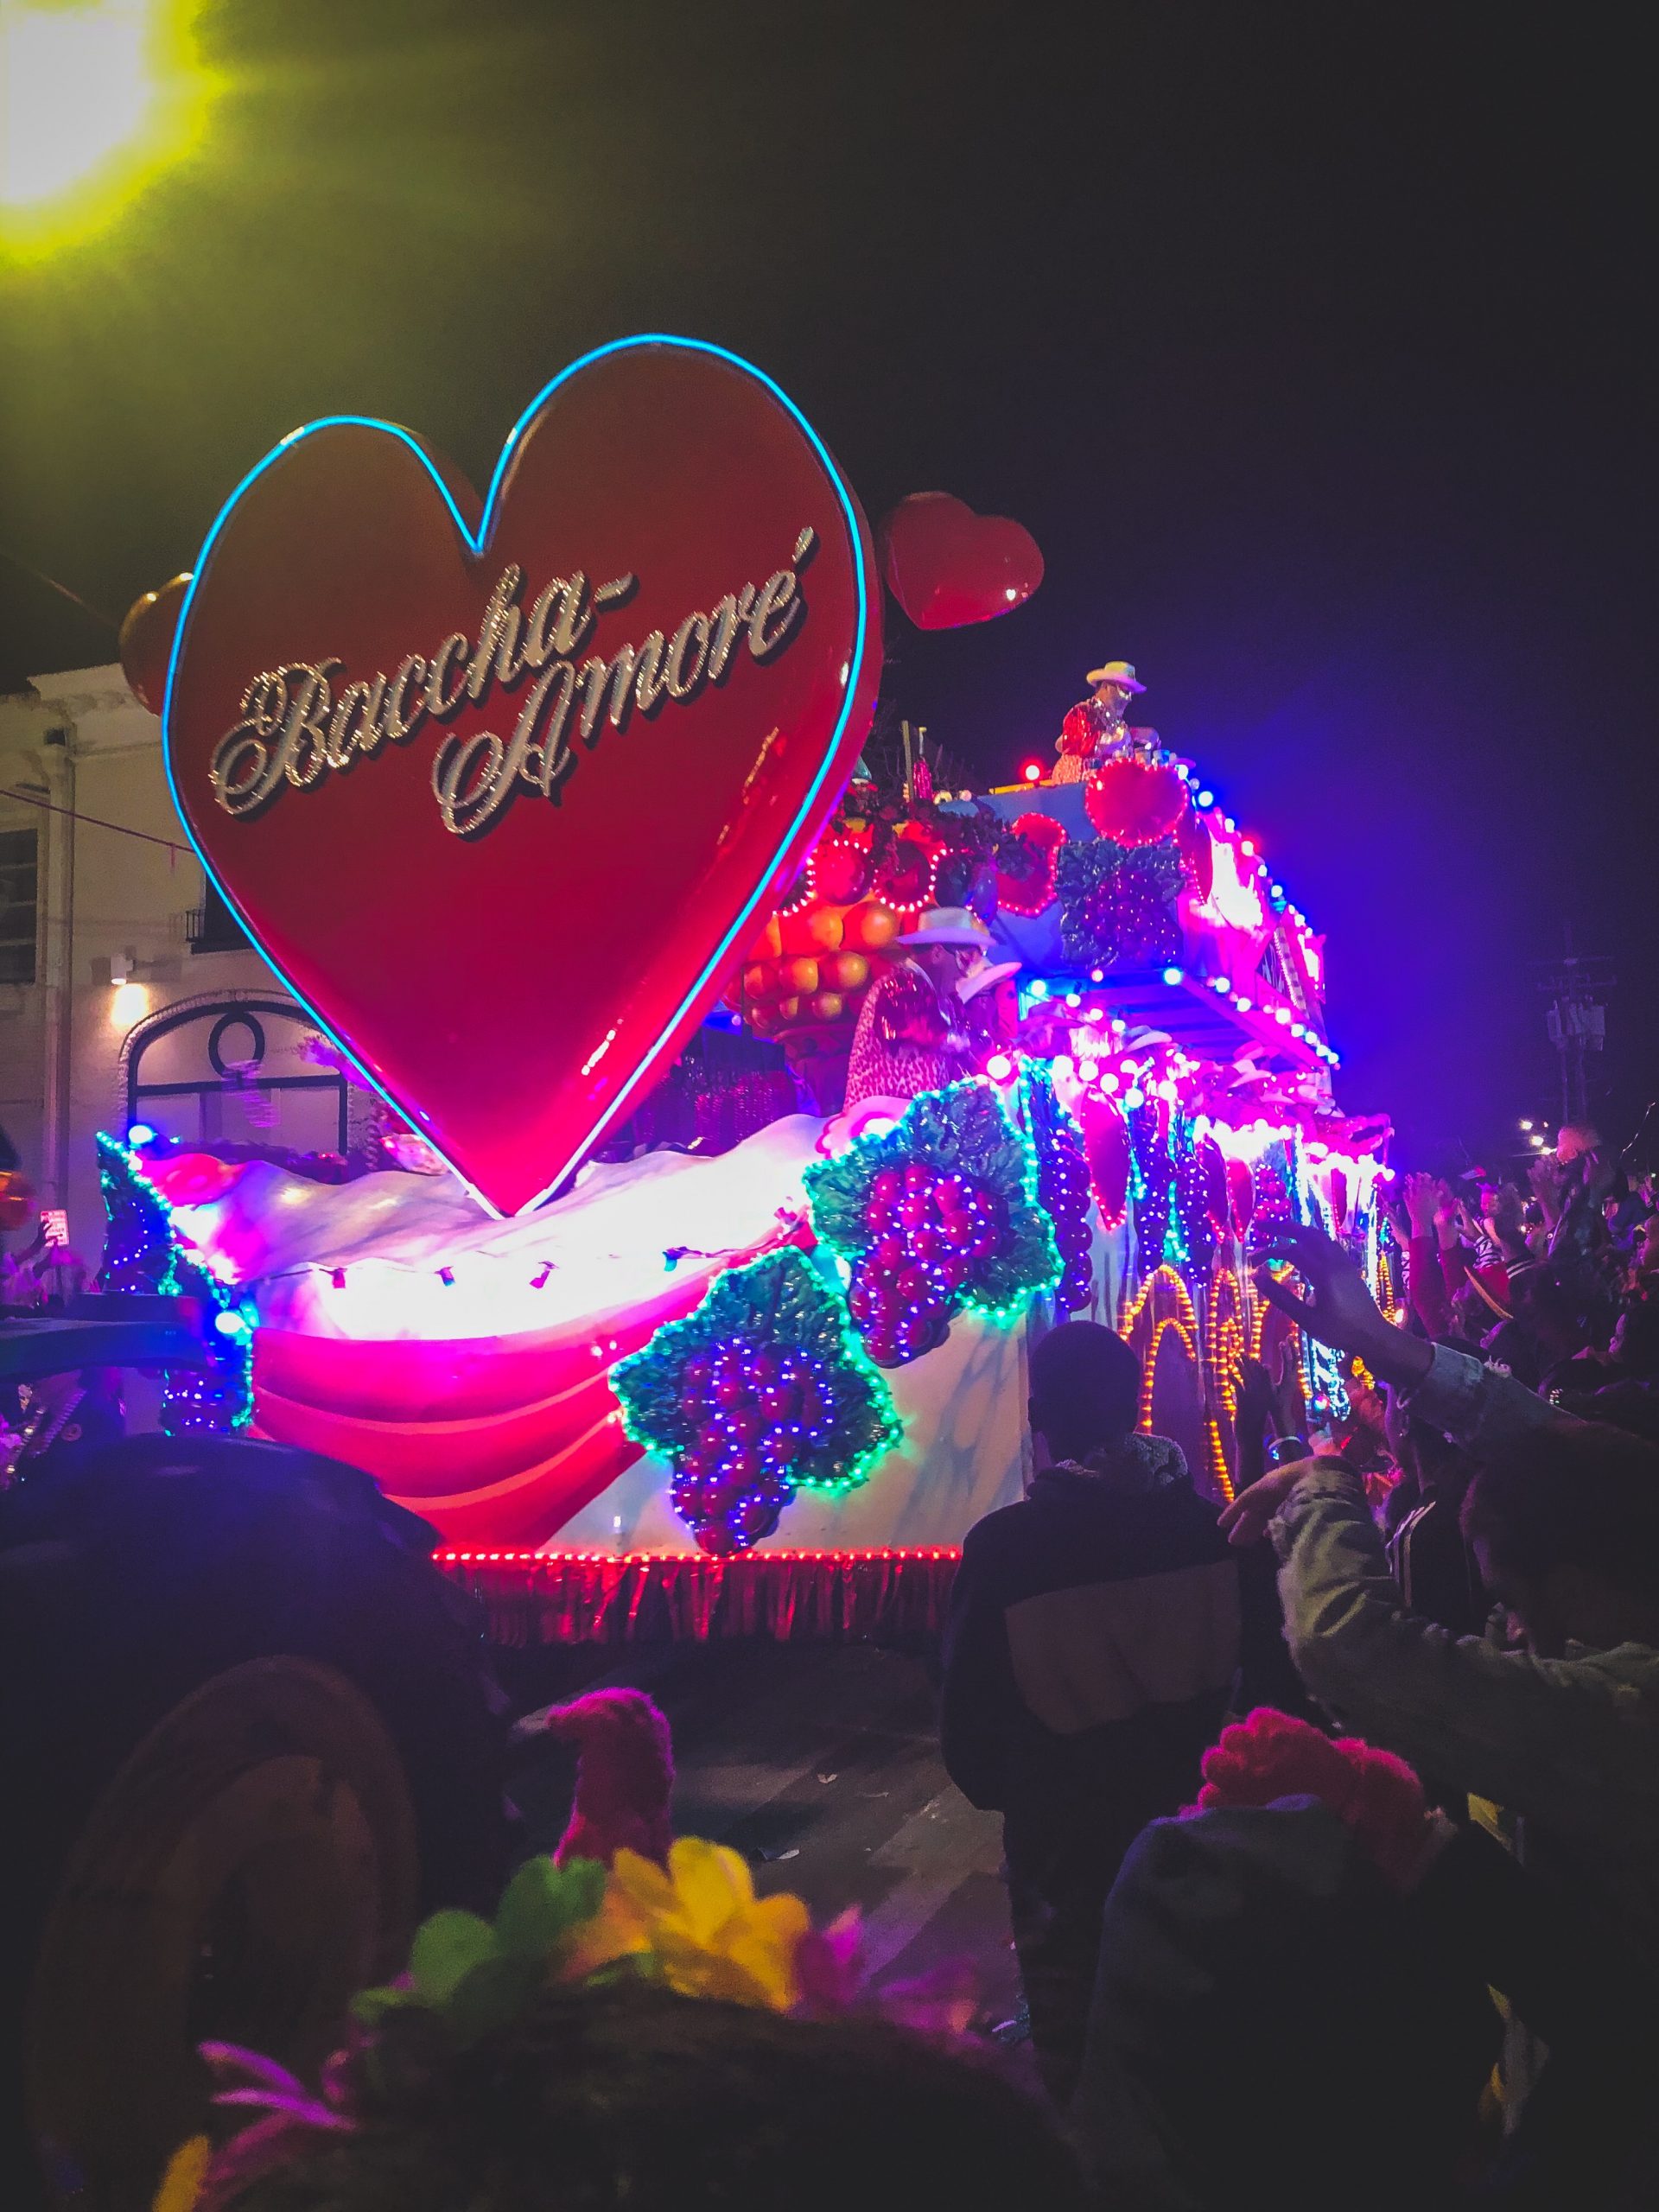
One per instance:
[(212, 927)]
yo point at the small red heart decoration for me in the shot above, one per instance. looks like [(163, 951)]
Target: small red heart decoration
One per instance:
[(1134, 802), (906, 876), (502, 789), (1212, 1167), (841, 871), (947, 566), (1192, 836), (1106, 1148), (1028, 891), (1241, 1193)]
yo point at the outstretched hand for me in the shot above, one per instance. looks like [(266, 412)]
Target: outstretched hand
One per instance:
[(1422, 1198), (1248, 1517), (1338, 1309)]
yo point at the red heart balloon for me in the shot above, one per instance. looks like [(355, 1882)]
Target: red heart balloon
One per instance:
[(146, 644), (1134, 802), (502, 792), (947, 566)]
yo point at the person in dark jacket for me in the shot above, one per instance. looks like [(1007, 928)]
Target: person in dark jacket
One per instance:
[(1093, 1647), (1290, 2006)]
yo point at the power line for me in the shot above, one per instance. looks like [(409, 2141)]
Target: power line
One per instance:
[(93, 821), (105, 621)]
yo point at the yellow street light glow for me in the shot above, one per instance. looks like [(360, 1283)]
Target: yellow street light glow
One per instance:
[(96, 96)]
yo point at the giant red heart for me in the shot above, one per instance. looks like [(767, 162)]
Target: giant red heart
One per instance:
[(500, 790), (947, 566)]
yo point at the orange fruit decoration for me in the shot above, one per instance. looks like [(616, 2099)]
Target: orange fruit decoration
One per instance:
[(847, 971), (871, 926)]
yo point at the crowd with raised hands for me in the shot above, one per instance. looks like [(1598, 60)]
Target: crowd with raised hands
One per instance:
[(1559, 1284), (1331, 1817), (1394, 1936), (1495, 1621)]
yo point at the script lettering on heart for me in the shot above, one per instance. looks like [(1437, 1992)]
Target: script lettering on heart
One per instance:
[(293, 729), (504, 828)]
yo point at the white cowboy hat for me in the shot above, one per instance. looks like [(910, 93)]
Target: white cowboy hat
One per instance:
[(1121, 672), (985, 977), (948, 925)]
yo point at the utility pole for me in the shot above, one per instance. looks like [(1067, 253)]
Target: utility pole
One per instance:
[(1575, 1018)]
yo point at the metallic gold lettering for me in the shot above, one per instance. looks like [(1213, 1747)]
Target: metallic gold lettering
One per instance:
[(563, 605), (403, 720), (436, 705), (648, 685), (292, 727), (495, 656), (353, 704), (460, 785), (304, 743), (775, 609), (549, 760), (679, 681), (728, 616), (619, 676), (245, 769), (474, 778), (372, 730)]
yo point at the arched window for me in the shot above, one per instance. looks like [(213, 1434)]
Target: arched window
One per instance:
[(230, 1068)]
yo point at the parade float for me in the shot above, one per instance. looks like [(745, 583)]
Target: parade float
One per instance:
[(743, 1113)]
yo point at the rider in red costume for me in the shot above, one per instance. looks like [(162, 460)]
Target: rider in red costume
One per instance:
[(1095, 730)]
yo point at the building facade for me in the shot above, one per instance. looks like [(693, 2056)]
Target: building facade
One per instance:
[(128, 991)]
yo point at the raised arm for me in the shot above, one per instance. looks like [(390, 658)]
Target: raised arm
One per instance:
[(1473, 1403)]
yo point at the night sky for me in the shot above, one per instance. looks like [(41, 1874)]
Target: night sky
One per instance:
[(1311, 343)]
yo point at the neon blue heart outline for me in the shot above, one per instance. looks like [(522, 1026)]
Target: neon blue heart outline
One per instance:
[(476, 544)]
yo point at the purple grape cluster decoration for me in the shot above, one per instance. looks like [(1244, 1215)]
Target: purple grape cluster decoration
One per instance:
[(938, 1213), (926, 1229), (762, 1391)]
